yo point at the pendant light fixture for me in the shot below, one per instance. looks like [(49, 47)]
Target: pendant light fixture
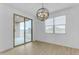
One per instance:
[(42, 13)]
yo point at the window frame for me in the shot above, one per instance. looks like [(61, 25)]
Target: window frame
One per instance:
[(54, 32)]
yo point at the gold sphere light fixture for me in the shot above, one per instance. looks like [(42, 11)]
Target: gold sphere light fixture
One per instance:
[(42, 13)]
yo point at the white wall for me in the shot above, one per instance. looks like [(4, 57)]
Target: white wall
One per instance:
[(6, 26), (71, 38)]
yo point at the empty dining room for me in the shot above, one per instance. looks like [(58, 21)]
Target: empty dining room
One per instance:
[(39, 28)]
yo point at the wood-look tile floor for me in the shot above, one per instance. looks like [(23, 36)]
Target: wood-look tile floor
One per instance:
[(41, 48)]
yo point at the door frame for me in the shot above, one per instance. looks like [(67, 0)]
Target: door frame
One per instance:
[(24, 29)]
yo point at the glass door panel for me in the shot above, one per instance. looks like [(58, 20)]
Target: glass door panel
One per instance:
[(27, 30), (19, 30)]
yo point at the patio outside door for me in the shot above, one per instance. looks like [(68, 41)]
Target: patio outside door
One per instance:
[(22, 30)]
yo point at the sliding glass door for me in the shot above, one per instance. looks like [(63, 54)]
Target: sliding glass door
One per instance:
[(22, 30)]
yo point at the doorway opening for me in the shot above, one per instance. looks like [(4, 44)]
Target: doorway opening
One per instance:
[(22, 30)]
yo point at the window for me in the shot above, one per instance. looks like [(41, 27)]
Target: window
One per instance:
[(49, 26), (60, 22), (55, 25)]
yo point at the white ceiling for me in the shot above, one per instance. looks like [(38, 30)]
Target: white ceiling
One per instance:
[(33, 7)]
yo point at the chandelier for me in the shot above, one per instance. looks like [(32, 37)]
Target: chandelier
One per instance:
[(42, 13)]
